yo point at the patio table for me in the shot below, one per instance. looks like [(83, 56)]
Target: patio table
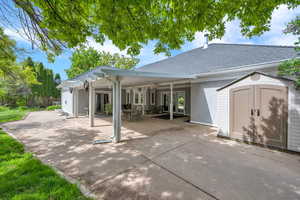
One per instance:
[(128, 114)]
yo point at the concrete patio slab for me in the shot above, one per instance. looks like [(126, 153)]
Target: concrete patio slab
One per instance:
[(158, 159)]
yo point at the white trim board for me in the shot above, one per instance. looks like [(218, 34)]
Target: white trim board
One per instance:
[(204, 123)]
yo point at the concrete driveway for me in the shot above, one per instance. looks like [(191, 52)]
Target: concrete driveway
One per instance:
[(159, 159)]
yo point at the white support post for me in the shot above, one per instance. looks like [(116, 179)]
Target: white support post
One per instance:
[(91, 104), (76, 99), (116, 111), (171, 101), (114, 108), (144, 101)]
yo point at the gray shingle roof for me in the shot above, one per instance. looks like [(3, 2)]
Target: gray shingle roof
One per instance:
[(220, 56)]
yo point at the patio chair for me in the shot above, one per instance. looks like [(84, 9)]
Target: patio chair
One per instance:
[(158, 109), (137, 113)]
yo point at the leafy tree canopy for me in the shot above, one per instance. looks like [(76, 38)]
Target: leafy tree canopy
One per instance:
[(24, 81), (8, 66), (7, 54), (84, 59), (130, 24), (292, 67)]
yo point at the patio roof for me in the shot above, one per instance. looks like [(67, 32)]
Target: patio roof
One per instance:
[(102, 75)]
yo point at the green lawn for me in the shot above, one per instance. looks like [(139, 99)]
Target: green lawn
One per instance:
[(23, 177), (12, 114)]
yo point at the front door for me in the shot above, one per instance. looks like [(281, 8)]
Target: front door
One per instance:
[(259, 114)]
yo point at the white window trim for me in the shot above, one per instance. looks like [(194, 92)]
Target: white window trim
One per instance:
[(128, 100), (174, 100), (152, 102), (139, 93), (176, 107)]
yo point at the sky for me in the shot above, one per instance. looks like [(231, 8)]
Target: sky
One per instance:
[(275, 36)]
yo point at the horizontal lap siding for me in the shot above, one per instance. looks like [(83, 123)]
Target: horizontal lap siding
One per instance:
[(223, 112), (204, 102), (294, 120)]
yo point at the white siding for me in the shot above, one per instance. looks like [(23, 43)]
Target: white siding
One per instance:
[(293, 106), (83, 101), (223, 112), (67, 101), (204, 102), (294, 119)]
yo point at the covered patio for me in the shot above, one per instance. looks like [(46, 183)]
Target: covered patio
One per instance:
[(125, 89)]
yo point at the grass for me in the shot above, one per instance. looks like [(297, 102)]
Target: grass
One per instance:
[(23, 177), (12, 114), (54, 107)]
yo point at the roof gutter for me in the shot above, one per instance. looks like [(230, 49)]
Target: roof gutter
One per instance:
[(132, 73)]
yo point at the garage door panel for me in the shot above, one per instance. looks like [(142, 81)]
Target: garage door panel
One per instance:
[(241, 103), (271, 115), (258, 114)]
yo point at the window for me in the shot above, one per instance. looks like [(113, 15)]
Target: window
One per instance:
[(127, 97), (142, 98), (138, 96), (152, 98)]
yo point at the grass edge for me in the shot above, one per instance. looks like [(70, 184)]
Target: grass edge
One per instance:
[(83, 189)]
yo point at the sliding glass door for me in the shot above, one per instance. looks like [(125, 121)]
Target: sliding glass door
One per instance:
[(180, 102)]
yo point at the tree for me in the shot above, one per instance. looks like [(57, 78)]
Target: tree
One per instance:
[(131, 24), (84, 59), (7, 54), (292, 67), (15, 79), (45, 92)]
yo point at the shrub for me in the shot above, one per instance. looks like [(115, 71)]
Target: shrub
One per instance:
[(21, 101), (22, 108), (108, 109), (3, 108), (54, 107)]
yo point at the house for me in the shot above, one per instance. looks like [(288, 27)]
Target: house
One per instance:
[(234, 87)]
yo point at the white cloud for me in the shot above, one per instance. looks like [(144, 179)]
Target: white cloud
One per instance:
[(108, 46), (147, 56), (280, 19), (275, 36), (16, 34)]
